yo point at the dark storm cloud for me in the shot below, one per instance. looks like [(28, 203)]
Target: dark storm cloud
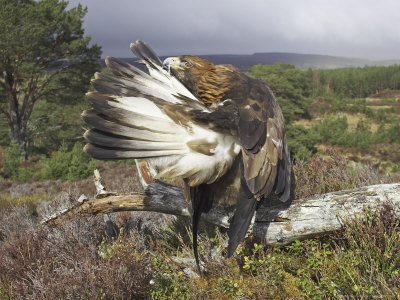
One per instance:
[(361, 28)]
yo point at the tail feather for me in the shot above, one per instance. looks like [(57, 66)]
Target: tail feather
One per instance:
[(135, 104), (139, 84), (104, 124)]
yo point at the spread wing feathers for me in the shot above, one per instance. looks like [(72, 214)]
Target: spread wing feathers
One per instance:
[(145, 53), (154, 65), (136, 115)]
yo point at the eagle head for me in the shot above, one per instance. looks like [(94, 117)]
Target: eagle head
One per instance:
[(189, 70), (186, 65), (199, 76)]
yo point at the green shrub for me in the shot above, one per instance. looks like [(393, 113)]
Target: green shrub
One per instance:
[(55, 167), (381, 115), (394, 132), (67, 165), (339, 105), (370, 113), (359, 106), (81, 165), (63, 164), (380, 135), (47, 131), (332, 130), (301, 141), (11, 161), (362, 137)]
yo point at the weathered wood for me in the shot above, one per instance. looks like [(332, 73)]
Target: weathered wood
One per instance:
[(275, 225), (321, 214)]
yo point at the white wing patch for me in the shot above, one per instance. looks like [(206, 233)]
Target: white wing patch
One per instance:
[(136, 126)]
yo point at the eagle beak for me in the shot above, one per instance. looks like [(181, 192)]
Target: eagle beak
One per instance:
[(172, 62)]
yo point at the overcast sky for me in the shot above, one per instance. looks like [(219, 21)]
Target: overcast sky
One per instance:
[(359, 28)]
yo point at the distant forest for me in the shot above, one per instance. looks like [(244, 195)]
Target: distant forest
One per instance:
[(325, 93), (344, 82)]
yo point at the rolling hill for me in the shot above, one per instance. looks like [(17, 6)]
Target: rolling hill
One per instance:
[(300, 61)]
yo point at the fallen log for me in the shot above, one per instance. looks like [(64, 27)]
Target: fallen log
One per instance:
[(276, 225)]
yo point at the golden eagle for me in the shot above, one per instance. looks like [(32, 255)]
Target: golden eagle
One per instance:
[(220, 131)]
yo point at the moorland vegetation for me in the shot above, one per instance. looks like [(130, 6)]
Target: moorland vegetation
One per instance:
[(343, 130)]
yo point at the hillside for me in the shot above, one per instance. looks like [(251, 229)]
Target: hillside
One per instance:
[(300, 61), (368, 119)]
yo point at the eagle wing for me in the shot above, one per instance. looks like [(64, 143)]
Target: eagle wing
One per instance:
[(263, 139), (266, 165), (145, 116)]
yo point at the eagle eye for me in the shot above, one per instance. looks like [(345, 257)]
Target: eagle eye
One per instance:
[(187, 65)]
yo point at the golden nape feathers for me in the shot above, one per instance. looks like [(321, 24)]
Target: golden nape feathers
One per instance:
[(209, 83)]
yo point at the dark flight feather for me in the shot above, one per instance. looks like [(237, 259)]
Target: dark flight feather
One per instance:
[(145, 53), (100, 152), (100, 138), (121, 68), (245, 207), (103, 123), (252, 134)]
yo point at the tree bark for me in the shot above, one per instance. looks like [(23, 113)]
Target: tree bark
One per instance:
[(275, 225), (15, 114), (18, 135)]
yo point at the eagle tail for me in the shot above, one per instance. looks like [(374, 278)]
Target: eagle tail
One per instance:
[(245, 209)]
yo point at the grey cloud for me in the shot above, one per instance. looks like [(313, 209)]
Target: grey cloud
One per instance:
[(359, 28)]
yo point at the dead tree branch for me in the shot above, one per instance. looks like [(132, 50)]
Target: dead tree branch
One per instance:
[(276, 225)]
